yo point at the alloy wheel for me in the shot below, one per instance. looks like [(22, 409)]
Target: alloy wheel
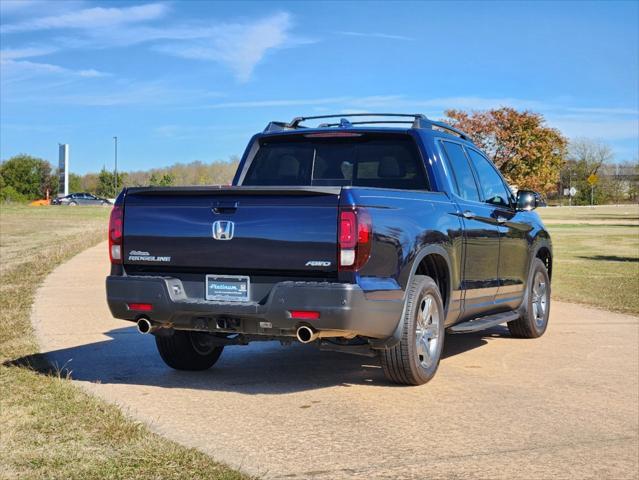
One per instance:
[(427, 331), (539, 299)]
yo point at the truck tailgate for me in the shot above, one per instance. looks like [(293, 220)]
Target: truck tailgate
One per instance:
[(271, 229)]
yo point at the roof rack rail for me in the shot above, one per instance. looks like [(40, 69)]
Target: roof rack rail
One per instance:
[(295, 123), (445, 126), (416, 120)]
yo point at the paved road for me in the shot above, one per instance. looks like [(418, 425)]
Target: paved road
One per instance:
[(563, 406)]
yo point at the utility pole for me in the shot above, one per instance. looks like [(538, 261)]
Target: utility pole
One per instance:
[(115, 179)]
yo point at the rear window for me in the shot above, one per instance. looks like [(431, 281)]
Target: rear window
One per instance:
[(390, 162)]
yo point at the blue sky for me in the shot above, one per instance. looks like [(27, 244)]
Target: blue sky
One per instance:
[(192, 80)]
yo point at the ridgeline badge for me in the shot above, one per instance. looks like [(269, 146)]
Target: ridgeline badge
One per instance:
[(138, 256)]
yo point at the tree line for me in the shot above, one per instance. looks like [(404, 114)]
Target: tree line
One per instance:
[(24, 178), (529, 153)]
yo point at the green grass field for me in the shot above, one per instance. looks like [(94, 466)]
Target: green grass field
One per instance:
[(48, 427), (596, 255)]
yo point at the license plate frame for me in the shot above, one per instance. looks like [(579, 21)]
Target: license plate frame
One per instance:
[(228, 294)]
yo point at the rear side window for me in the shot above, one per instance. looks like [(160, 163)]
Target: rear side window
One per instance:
[(495, 192), (386, 162), (464, 180)]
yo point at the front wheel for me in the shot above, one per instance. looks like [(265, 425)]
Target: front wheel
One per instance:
[(188, 350), (536, 307), (414, 360)]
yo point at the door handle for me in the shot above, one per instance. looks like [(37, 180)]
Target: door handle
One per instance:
[(501, 219), (468, 214)]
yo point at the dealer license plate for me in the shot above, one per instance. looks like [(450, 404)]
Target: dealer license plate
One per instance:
[(228, 288)]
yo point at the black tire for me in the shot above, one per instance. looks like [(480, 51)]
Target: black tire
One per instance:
[(535, 309), (188, 350), (73, 204), (404, 363)]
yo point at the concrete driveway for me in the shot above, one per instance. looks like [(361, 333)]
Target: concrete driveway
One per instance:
[(563, 406)]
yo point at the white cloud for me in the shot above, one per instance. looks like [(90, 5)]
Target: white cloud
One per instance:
[(17, 71), (27, 8), (239, 46), (386, 36), (599, 127), (26, 52), (91, 18), (91, 73), (609, 123), (392, 102), (281, 103), (606, 111), (131, 94), (9, 7), (190, 132), (300, 102), (62, 90)]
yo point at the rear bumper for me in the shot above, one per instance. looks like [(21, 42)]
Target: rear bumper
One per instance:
[(342, 307)]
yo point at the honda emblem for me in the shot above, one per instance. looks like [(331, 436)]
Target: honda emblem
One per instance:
[(223, 230)]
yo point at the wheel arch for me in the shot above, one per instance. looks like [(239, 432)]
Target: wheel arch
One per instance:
[(544, 253), (431, 260), (436, 265), (542, 250)]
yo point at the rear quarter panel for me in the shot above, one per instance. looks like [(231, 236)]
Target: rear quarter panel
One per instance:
[(405, 223)]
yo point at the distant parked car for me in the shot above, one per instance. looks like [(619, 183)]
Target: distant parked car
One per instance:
[(74, 199)]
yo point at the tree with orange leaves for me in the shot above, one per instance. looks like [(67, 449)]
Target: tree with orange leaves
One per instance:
[(528, 152)]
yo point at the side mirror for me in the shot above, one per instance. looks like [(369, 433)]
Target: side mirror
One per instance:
[(528, 200)]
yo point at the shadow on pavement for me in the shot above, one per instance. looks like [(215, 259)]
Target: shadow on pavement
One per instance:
[(259, 368)]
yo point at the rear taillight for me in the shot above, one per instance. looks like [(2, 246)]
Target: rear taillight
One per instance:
[(355, 236), (115, 234)]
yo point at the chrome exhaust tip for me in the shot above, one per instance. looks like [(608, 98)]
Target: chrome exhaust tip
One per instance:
[(144, 326), (306, 334)]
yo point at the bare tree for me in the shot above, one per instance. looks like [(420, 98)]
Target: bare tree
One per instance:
[(590, 153), (586, 157)]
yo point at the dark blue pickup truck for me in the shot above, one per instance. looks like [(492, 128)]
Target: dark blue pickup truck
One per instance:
[(366, 236)]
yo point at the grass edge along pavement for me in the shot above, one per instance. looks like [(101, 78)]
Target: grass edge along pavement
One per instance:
[(50, 428), (596, 255)]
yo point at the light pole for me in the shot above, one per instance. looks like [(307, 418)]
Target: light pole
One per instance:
[(116, 166)]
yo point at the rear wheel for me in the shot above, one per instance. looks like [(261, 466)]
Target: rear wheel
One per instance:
[(415, 359), (73, 204), (188, 350), (534, 315)]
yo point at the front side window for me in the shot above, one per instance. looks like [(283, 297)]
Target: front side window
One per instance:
[(390, 161), (492, 186), (463, 175)]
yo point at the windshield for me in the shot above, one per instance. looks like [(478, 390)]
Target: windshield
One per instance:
[(390, 162)]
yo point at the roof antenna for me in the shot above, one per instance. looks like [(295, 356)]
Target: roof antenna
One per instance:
[(344, 123)]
